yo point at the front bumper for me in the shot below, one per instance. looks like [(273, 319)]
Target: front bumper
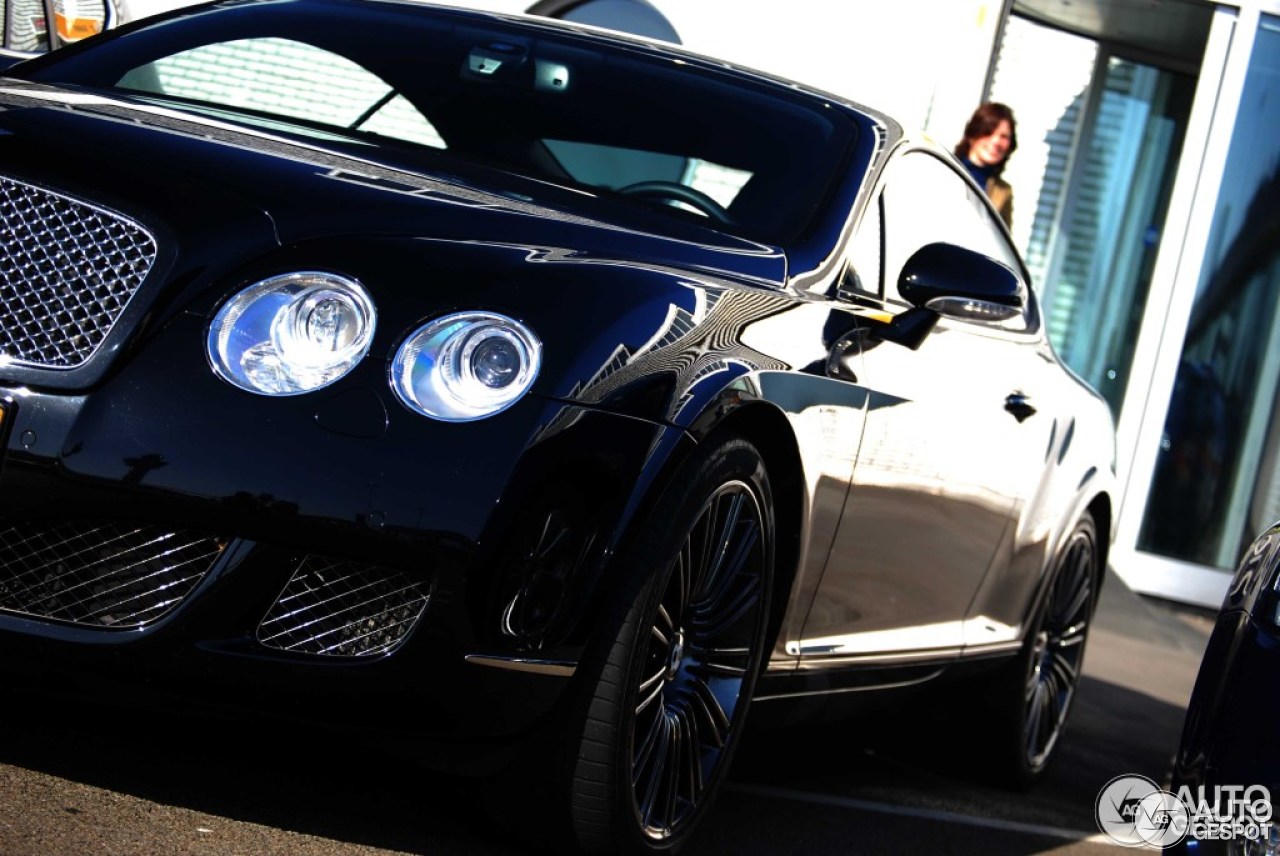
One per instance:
[(332, 556)]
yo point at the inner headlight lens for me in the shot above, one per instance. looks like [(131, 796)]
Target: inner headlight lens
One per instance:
[(292, 333), (466, 366)]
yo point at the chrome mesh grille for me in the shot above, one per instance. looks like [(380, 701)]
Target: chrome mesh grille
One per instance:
[(67, 269), (343, 609), (108, 575)]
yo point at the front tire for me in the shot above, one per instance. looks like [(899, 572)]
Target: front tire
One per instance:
[(668, 687)]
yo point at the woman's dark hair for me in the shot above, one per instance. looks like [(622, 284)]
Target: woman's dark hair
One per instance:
[(983, 123)]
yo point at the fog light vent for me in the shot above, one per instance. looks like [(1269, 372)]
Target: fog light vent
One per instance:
[(343, 609), (105, 575)]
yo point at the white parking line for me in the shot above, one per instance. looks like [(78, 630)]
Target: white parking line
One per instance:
[(923, 813)]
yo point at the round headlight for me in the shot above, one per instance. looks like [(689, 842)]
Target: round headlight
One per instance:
[(465, 366), (292, 333)]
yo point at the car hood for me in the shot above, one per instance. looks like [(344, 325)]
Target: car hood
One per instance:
[(212, 184)]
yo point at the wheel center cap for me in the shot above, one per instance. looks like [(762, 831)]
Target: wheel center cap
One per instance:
[(676, 655)]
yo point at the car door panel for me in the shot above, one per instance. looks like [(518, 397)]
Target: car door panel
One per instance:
[(951, 452)]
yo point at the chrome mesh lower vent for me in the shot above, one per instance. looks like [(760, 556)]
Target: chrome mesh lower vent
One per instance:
[(343, 609), (108, 575)]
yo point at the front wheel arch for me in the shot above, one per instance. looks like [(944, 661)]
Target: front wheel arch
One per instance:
[(767, 428), (697, 579)]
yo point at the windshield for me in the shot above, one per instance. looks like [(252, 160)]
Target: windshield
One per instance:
[(697, 142)]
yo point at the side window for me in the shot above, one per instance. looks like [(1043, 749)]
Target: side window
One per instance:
[(864, 273), (288, 79), (988, 237), (925, 201)]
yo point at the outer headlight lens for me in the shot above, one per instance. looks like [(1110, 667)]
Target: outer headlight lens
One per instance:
[(292, 333), (466, 366)]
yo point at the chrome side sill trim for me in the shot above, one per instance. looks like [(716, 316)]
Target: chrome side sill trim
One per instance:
[(558, 668), (979, 631), (829, 661), (907, 682), (993, 649)]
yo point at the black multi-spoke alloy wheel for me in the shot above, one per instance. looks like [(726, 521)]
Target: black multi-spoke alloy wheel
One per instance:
[(1041, 685), (666, 700)]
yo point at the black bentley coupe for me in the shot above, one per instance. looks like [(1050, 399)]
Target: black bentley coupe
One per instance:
[(542, 395)]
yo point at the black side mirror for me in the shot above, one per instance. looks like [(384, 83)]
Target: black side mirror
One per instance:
[(961, 283)]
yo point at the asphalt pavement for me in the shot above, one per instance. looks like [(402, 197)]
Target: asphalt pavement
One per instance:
[(78, 780)]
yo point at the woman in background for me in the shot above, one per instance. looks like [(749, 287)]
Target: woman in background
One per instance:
[(989, 138)]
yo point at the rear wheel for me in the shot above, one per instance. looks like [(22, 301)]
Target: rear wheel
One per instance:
[(1037, 689), (668, 689)]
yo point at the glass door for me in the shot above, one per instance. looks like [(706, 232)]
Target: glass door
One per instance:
[(1110, 225), (1100, 137), (1216, 480)]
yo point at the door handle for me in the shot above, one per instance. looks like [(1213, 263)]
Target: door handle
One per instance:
[(1020, 406)]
